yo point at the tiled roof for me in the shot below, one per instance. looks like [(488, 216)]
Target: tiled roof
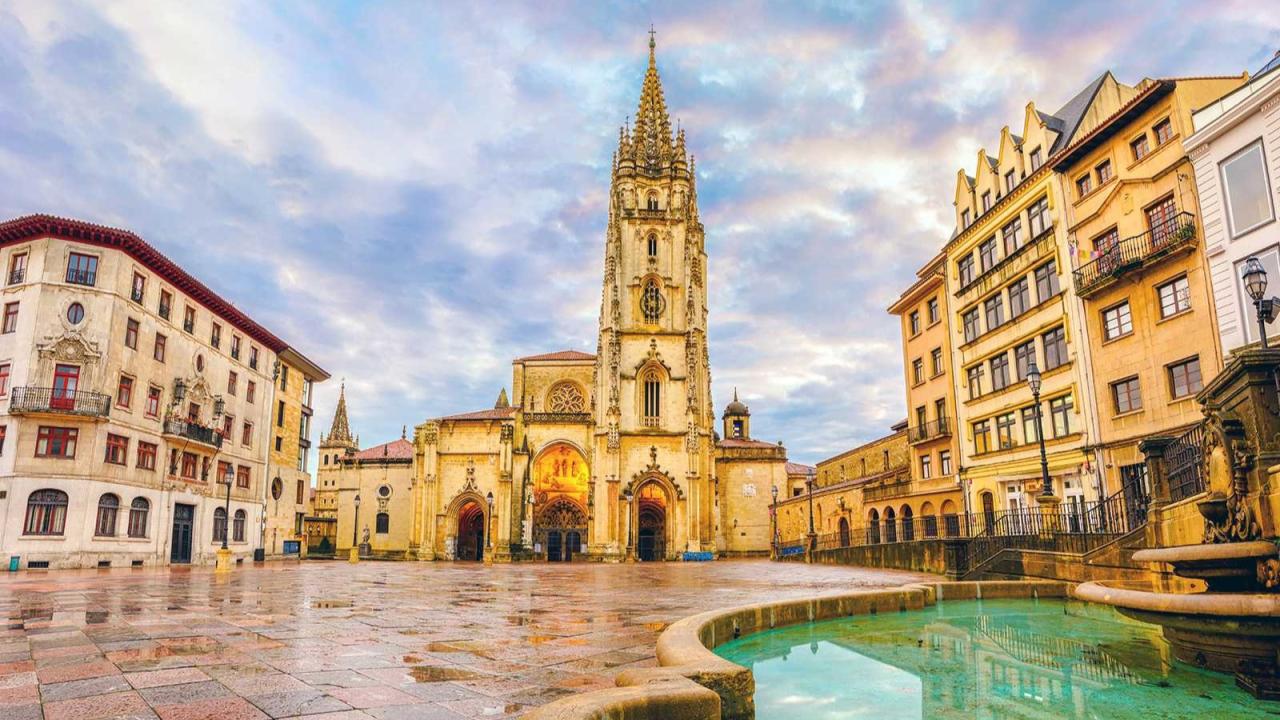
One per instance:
[(1073, 112), (740, 443), (490, 414), (799, 469), (398, 449), (559, 355)]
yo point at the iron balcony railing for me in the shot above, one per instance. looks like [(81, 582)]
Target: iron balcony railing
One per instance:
[(1183, 464), (55, 400), (82, 277), (1134, 252), (194, 432), (930, 430), (17, 275)]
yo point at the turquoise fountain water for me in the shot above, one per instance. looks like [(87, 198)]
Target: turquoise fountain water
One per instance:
[(982, 659)]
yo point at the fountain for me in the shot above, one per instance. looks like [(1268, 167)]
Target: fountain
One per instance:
[(1232, 625)]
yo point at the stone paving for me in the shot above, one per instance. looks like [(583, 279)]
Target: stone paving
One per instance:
[(334, 641)]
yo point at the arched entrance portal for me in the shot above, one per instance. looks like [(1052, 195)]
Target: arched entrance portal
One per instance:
[(471, 532), (561, 481), (560, 528), (651, 523)]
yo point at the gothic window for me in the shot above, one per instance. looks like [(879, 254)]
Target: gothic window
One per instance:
[(651, 303), (652, 201), (652, 397), (383, 523), (565, 397), (653, 245)]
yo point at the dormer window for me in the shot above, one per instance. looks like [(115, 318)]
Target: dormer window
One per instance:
[(652, 201), (1010, 182), (964, 219), (1084, 184), (986, 201), (1036, 160)]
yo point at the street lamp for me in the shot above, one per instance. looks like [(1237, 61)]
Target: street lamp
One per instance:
[(773, 516), (179, 391), (488, 533), (627, 497), (227, 508), (813, 535), (355, 525), (1033, 381), (1255, 283)]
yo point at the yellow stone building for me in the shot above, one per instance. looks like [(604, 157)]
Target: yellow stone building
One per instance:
[(289, 449), (612, 455), (1132, 215)]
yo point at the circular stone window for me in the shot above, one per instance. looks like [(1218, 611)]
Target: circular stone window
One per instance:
[(277, 489), (75, 313), (384, 491)]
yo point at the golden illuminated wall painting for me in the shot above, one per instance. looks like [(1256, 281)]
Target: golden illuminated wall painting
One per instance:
[(561, 471)]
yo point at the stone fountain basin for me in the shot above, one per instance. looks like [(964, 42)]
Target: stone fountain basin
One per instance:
[(1224, 567)]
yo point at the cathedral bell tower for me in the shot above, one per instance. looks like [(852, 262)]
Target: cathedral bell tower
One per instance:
[(652, 406)]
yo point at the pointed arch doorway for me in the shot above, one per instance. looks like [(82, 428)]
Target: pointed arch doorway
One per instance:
[(651, 523), (559, 530), (471, 532)]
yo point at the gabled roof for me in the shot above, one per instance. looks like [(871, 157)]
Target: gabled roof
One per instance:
[(490, 414), (1074, 111), (398, 449), (559, 355)]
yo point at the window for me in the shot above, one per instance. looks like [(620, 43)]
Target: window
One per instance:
[(914, 323), (4, 379), (139, 288), (1184, 378), (237, 526), (974, 378), (1055, 348), (228, 422), (987, 254), (1004, 431), (146, 455), (219, 525), (10, 318), (1010, 182), (1126, 396), (1047, 281), (235, 347), (280, 413), (1037, 159), (917, 371), (246, 433), (138, 511), (1084, 184), (242, 477), (965, 268), (936, 358), (1175, 297), (653, 245), (124, 392), (46, 513), (1116, 321), (932, 306), (117, 449), (940, 410), (970, 320), (279, 443), (994, 308), (999, 372), (131, 334), (166, 304), (82, 269), (1162, 221), (926, 467), (964, 219), (651, 302), (17, 268), (75, 313), (1023, 356), (158, 351), (1019, 297), (284, 377), (215, 336), (1038, 217), (1060, 414), (1163, 131), (1029, 432), (383, 522), (652, 397), (921, 416), (1012, 236), (152, 408), (651, 202), (1103, 244), (1244, 179), (56, 442), (249, 389), (1139, 147), (189, 319), (1104, 171), (189, 465), (253, 357), (299, 495), (225, 471), (231, 382), (944, 462), (981, 437), (986, 201), (108, 509)]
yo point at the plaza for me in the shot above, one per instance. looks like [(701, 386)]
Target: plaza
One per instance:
[(339, 641)]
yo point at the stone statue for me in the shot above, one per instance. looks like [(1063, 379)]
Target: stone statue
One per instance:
[(364, 539)]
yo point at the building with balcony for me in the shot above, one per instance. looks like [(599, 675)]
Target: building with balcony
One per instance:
[(1133, 218), (289, 453), (132, 396), (1236, 153)]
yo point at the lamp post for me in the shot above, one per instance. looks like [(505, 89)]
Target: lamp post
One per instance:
[(627, 496), (488, 531), (813, 535), (223, 561), (1033, 381), (354, 555), (773, 518), (1255, 283)]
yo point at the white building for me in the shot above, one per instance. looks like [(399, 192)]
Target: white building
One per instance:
[(128, 392), (1236, 153)]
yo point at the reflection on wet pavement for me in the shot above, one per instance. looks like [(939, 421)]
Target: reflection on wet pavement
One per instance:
[(373, 640)]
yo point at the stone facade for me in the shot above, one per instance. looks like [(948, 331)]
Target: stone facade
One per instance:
[(288, 487)]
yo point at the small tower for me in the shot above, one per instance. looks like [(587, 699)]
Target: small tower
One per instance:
[(737, 419), (339, 443)]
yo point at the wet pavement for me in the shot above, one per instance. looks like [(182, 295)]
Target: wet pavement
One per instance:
[(333, 641)]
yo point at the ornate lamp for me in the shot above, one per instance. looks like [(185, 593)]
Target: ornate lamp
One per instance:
[(1033, 382), (219, 407), (1255, 283), (179, 390)]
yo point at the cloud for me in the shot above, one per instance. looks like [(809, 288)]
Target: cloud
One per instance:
[(415, 194)]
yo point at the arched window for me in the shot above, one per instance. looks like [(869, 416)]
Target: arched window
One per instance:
[(46, 513), (653, 245), (383, 522), (108, 509), (566, 397), (138, 511), (651, 303), (652, 201), (652, 397), (237, 526), (219, 525), (326, 459)]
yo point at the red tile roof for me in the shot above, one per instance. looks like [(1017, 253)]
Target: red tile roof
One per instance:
[(559, 355), (740, 443), (799, 469), (398, 449), (490, 414)]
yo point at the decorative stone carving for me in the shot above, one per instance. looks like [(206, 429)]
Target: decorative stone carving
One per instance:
[(566, 397)]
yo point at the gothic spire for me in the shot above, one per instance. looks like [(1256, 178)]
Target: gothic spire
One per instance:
[(340, 431), (651, 136)]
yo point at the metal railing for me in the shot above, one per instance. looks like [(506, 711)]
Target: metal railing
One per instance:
[(1183, 460), (17, 275), (1168, 235), (81, 277), (55, 400), (192, 431), (930, 430)]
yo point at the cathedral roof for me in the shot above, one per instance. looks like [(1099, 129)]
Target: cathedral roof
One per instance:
[(340, 430), (743, 443), (559, 355), (490, 414), (398, 449)]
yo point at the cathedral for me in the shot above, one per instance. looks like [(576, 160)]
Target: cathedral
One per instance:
[(608, 457)]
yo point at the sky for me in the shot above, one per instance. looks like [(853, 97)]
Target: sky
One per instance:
[(412, 194)]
